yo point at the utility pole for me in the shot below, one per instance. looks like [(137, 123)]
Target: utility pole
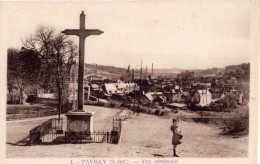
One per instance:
[(146, 72), (140, 88)]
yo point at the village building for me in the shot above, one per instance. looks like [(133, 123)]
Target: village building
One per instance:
[(201, 98), (119, 88), (171, 95), (110, 89), (153, 98), (96, 91)]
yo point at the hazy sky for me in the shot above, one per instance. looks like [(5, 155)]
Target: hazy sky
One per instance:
[(170, 34)]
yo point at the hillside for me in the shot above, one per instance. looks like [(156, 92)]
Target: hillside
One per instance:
[(209, 72), (241, 71), (104, 71)]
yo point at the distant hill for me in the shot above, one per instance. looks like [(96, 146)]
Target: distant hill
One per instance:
[(209, 72), (167, 71), (110, 69), (104, 71), (238, 71), (117, 71)]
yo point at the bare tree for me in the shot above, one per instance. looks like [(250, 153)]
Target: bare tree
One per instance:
[(57, 52), (23, 69)]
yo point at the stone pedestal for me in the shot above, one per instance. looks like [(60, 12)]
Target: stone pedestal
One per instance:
[(79, 121)]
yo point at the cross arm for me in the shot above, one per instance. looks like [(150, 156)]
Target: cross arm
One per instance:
[(71, 32), (92, 32), (86, 32)]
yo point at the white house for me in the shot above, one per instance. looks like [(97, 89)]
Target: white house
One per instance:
[(202, 98)]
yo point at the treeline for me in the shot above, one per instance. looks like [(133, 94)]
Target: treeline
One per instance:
[(110, 69), (209, 72), (44, 62), (240, 72)]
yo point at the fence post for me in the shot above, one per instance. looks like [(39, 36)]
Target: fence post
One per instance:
[(107, 137), (113, 124)]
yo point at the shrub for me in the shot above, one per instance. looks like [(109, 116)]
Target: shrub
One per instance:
[(157, 112), (152, 111), (165, 113), (238, 121), (111, 105)]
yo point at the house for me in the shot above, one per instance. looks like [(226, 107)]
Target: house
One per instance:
[(120, 88), (110, 89), (96, 90), (46, 98), (201, 98), (126, 87), (176, 96), (46, 95), (172, 95), (153, 98)]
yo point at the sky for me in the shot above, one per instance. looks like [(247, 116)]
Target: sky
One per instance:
[(170, 34)]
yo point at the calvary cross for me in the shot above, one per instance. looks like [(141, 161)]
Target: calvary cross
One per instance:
[(82, 33)]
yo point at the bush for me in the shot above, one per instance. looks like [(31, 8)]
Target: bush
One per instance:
[(157, 112), (112, 105), (238, 121)]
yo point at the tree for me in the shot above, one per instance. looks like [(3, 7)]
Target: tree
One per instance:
[(57, 53), (23, 69), (186, 78)]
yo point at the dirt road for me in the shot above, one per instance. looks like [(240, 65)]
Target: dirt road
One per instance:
[(142, 136)]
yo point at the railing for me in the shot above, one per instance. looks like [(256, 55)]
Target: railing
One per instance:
[(38, 132), (94, 137), (50, 132), (53, 137)]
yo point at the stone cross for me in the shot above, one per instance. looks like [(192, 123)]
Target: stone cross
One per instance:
[(82, 33)]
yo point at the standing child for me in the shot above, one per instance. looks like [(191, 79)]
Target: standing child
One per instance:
[(176, 135)]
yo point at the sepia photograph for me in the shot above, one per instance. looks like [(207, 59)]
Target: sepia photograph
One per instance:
[(157, 80)]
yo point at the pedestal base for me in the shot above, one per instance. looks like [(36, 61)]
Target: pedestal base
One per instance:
[(79, 121)]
